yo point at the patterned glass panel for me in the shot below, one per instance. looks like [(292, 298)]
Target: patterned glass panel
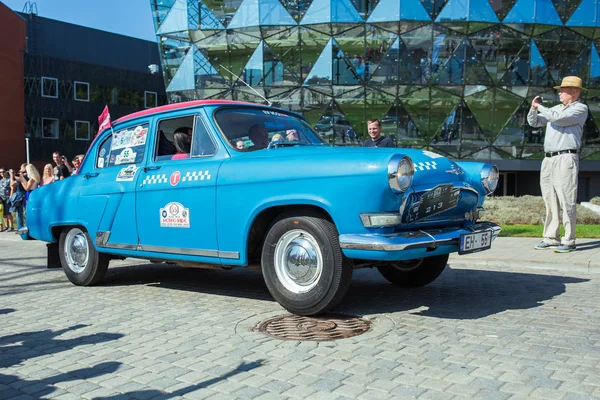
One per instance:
[(396, 10), (533, 12), (594, 68), (176, 20), (352, 105), (433, 7), (467, 10), (208, 20), (261, 13), (585, 15), (502, 7), (419, 47), (538, 72)]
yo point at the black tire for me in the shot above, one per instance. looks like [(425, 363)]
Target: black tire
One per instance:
[(419, 272), (82, 264), (323, 273)]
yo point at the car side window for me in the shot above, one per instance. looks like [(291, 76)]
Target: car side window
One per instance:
[(203, 144), (174, 138), (127, 146)]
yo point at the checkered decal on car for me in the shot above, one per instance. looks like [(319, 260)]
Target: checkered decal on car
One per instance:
[(196, 176), (427, 165), (155, 179)]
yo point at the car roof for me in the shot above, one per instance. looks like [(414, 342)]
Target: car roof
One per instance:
[(178, 106)]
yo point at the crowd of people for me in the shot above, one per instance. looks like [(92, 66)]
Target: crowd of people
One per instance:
[(16, 185)]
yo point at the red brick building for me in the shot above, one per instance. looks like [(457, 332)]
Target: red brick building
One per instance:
[(12, 97)]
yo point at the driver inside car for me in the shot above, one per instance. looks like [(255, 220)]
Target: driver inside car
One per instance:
[(259, 136)]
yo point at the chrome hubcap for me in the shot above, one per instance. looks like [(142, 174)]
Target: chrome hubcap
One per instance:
[(76, 250), (298, 261)]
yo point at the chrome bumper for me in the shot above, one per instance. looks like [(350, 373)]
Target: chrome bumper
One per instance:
[(430, 238)]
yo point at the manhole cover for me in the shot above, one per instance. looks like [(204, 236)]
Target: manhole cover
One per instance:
[(317, 329)]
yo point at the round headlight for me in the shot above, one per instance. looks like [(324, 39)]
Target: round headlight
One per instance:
[(489, 177), (400, 173)]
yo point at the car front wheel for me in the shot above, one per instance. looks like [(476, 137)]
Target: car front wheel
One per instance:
[(418, 272), (82, 264), (303, 265)]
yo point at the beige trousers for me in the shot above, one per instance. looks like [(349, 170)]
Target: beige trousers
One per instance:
[(558, 180)]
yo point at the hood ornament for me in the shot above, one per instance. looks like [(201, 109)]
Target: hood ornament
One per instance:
[(456, 170)]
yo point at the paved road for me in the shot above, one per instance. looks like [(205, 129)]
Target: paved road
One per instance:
[(155, 331)]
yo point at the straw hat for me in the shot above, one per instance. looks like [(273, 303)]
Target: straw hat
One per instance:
[(571, 81)]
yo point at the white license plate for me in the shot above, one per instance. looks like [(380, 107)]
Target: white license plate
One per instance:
[(474, 242)]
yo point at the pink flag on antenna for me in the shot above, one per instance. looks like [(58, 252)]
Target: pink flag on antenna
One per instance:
[(104, 120)]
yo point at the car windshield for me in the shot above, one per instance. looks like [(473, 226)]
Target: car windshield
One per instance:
[(250, 129)]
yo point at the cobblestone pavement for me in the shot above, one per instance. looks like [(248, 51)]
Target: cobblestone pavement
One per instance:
[(158, 331)]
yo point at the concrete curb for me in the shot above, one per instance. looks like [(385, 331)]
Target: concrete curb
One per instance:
[(585, 267), (591, 206)]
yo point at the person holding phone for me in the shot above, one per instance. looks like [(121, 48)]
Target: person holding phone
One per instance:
[(560, 167), (61, 171)]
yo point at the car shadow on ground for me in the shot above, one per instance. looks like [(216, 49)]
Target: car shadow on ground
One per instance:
[(456, 294), (15, 349)]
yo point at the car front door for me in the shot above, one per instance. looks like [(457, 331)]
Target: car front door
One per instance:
[(175, 200), (107, 193)]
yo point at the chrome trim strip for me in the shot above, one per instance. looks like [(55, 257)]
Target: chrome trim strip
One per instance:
[(234, 255), (102, 238), (102, 241), (191, 252), (180, 250), (121, 246), (413, 239)]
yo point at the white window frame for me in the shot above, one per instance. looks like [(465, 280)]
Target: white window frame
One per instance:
[(58, 125), (88, 129), (75, 91), (55, 83), (155, 98)]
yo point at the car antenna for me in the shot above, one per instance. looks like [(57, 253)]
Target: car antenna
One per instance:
[(269, 103)]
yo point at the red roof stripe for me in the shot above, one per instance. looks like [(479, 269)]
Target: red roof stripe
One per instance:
[(176, 106)]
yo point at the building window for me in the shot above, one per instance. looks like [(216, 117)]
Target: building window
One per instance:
[(82, 91), (49, 87), (150, 99), (82, 130), (49, 128)]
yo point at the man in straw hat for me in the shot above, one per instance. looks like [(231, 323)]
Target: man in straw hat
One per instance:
[(560, 167)]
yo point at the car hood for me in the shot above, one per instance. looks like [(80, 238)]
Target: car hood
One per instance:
[(429, 167)]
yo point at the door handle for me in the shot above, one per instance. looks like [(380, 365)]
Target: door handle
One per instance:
[(152, 168), (91, 175)]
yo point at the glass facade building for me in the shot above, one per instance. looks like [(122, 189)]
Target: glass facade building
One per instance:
[(454, 76)]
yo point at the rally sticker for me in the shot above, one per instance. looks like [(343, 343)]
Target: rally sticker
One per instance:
[(127, 174), (139, 136), (121, 139), (101, 163), (102, 152), (127, 156), (174, 215)]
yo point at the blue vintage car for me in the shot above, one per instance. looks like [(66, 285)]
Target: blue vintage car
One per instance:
[(228, 184)]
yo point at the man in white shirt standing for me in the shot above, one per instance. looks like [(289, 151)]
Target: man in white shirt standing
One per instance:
[(560, 167)]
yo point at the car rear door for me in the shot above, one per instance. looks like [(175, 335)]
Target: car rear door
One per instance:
[(175, 200)]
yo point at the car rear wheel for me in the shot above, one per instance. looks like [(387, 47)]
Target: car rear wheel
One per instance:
[(303, 265), (82, 264), (418, 272)]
